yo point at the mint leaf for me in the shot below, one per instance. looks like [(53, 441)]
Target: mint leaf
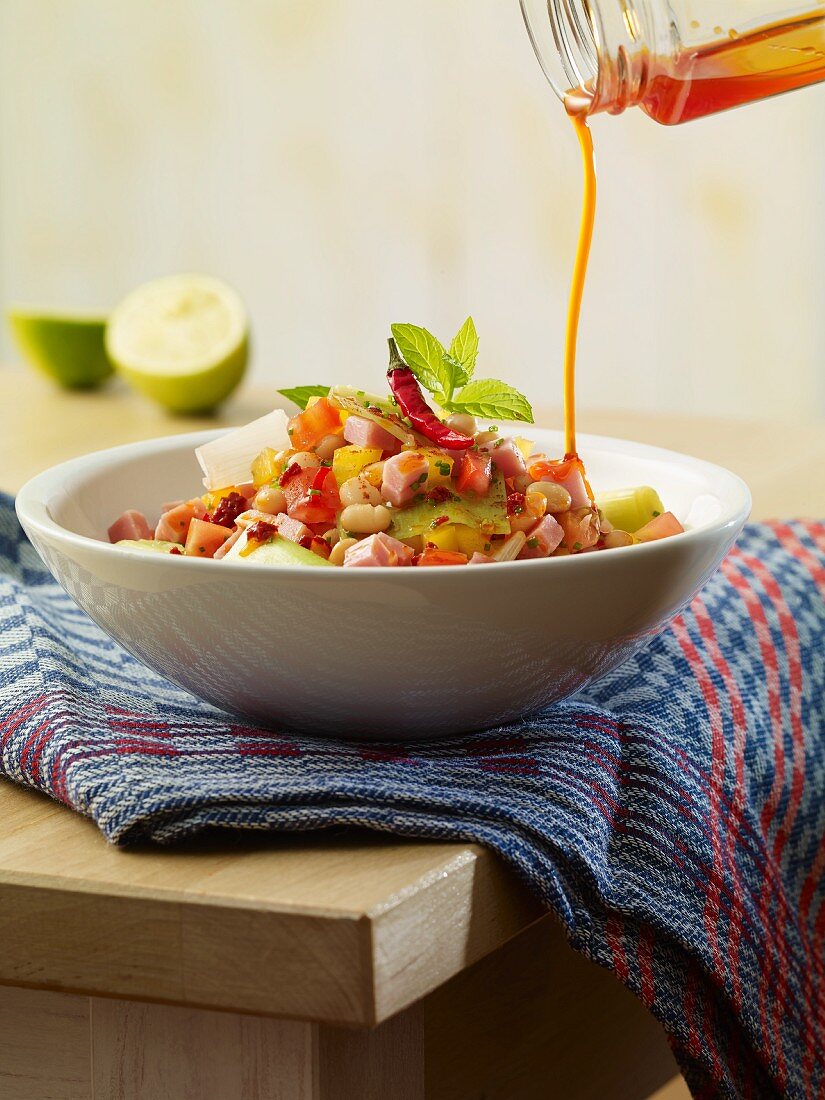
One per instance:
[(426, 358), (464, 352), (300, 395), (489, 398)]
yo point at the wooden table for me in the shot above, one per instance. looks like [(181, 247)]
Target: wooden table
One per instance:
[(334, 966)]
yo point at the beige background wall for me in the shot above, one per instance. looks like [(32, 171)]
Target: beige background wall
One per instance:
[(347, 163)]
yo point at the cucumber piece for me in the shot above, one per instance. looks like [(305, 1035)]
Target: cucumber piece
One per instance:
[(630, 509), (488, 513), (281, 551), (149, 546)]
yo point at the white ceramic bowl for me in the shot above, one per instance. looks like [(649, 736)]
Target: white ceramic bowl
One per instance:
[(370, 653)]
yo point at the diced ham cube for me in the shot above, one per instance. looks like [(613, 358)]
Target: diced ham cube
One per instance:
[(660, 527), (481, 559), (403, 475), (380, 549), (131, 525), (574, 484), (545, 537), (204, 538), (568, 473), (292, 529), (170, 504), (224, 549), (366, 433), (173, 526), (506, 457)]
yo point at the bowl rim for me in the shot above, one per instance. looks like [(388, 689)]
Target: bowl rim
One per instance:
[(30, 505)]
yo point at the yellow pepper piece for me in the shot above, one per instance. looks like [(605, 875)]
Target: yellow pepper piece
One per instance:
[(440, 471), (266, 468), (443, 537), (470, 540), (524, 445), (349, 461), (212, 499)]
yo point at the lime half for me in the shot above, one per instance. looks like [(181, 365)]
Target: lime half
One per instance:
[(70, 349), (182, 340)]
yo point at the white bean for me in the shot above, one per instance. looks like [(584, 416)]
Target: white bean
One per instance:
[(557, 497), (463, 422), (374, 473), (331, 536), (305, 459), (366, 519), (485, 437), (270, 499), (336, 556), (357, 490), (328, 445)]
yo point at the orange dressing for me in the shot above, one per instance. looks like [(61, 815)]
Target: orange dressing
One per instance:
[(579, 276), (713, 77), (737, 69)]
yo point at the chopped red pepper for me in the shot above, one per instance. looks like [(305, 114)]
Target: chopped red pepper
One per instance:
[(407, 393), (439, 494), (439, 520), (319, 479), (515, 504)]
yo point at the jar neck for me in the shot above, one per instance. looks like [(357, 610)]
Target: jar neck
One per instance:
[(595, 53)]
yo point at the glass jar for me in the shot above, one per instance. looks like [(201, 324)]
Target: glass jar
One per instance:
[(676, 59)]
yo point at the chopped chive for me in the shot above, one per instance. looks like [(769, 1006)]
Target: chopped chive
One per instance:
[(577, 546), (532, 543)]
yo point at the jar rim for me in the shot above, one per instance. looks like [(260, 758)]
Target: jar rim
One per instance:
[(566, 39)]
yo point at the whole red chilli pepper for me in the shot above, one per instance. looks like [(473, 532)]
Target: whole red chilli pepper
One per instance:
[(407, 393)]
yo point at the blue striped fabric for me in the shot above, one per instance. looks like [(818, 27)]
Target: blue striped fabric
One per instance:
[(673, 817)]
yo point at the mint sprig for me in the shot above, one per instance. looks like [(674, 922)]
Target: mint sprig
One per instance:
[(490, 398), (427, 359), (300, 395), (464, 352), (442, 372)]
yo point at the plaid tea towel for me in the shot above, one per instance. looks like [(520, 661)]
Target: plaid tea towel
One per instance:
[(673, 816)]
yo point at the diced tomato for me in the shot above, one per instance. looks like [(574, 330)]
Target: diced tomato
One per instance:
[(475, 473), (660, 527), (173, 526), (312, 496), (307, 429), (203, 539), (441, 557)]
